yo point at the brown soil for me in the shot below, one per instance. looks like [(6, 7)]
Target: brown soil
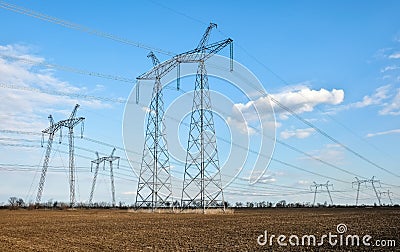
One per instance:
[(117, 230)]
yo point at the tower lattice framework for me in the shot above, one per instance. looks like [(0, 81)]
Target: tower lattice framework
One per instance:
[(202, 185), (154, 187)]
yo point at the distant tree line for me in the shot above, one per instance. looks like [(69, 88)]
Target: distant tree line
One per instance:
[(18, 203)]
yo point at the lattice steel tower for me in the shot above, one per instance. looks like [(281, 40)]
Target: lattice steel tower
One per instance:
[(316, 186), (110, 159), (359, 182), (202, 185), (205, 122), (69, 123), (154, 187)]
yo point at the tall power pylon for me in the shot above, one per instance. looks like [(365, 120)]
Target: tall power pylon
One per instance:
[(69, 123), (202, 185), (372, 181), (51, 130), (326, 185), (97, 162), (198, 55), (154, 186)]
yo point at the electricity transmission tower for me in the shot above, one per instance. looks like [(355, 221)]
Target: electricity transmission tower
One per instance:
[(97, 162), (316, 186), (198, 55), (154, 186), (387, 193), (359, 182), (202, 185), (69, 123)]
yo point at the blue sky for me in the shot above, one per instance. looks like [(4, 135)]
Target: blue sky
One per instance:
[(336, 64)]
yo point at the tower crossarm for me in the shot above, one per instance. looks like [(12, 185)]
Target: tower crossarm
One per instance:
[(53, 128), (192, 56)]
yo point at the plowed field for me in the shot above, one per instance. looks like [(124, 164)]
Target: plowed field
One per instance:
[(117, 230)]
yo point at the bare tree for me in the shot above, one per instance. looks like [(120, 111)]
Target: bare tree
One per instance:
[(12, 201)]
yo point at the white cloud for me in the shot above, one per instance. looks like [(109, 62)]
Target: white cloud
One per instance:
[(382, 53), (392, 107), (297, 133), (395, 131), (389, 68), (252, 116), (331, 153), (305, 100), (384, 97), (380, 95), (299, 99), (303, 182), (266, 178), (394, 55), (30, 109), (241, 125)]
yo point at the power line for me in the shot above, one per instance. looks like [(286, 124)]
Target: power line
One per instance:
[(58, 93), (317, 129), (69, 69), (79, 27), (291, 111), (67, 24), (330, 137), (281, 142), (273, 159), (232, 187)]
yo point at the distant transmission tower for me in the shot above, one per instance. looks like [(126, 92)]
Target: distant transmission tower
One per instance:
[(316, 186), (154, 187), (386, 193), (97, 162), (202, 185), (359, 182), (69, 123)]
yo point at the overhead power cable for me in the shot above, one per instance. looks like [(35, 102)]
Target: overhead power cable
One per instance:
[(75, 26), (291, 111), (68, 69), (67, 24), (72, 95), (330, 137)]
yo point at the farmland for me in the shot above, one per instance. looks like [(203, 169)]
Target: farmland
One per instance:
[(118, 230)]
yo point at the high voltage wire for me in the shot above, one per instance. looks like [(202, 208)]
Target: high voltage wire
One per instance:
[(255, 152), (287, 84), (132, 81), (38, 15), (330, 137), (79, 27), (275, 160), (69, 69), (230, 186), (244, 192), (280, 142), (288, 109), (58, 93), (317, 129), (25, 167)]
